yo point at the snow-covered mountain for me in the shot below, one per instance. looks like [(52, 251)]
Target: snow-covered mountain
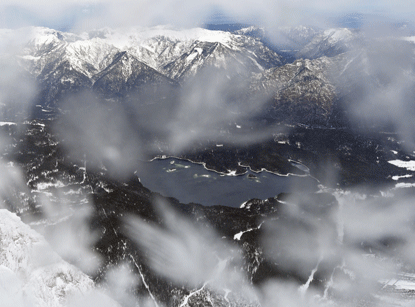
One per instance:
[(329, 43), (91, 52), (32, 274), (220, 56), (65, 63), (118, 63), (295, 38), (126, 74), (303, 90), (132, 63), (160, 46)]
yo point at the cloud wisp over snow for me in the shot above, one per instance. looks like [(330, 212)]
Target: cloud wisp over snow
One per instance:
[(383, 71)]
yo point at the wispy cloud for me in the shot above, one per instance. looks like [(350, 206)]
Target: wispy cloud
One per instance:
[(98, 13)]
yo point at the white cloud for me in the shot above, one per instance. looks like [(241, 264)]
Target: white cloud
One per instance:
[(88, 14)]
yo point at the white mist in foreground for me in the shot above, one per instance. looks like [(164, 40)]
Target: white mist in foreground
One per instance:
[(354, 251), (190, 254), (32, 274), (358, 248)]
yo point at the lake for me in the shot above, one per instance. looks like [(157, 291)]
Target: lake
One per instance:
[(191, 182)]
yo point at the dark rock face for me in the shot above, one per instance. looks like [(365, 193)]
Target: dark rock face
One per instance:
[(299, 92), (59, 82), (126, 75)]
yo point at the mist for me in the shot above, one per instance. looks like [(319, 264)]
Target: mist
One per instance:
[(96, 14), (335, 256)]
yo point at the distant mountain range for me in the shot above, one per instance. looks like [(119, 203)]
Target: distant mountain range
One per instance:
[(298, 68)]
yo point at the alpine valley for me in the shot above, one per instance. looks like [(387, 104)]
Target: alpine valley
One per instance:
[(85, 114)]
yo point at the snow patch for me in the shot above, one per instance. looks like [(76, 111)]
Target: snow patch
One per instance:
[(403, 281), (399, 177), (144, 281), (336, 35), (239, 234), (199, 50), (243, 205), (402, 185), (31, 273), (303, 288), (46, 185), (409, 165), (7, 123)]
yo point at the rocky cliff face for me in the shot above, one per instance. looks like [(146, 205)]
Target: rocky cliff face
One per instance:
[(299, 92), (65, 63), (125, 75)]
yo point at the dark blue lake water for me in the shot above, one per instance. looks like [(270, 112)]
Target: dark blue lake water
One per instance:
[(191, 182)]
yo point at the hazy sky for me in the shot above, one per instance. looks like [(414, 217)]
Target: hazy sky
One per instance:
[(98, 13)]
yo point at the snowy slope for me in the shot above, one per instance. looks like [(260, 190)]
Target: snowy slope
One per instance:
[(165, 44), (65, 63), (48, 48), (89, 53), (31, 273), (329, 43)]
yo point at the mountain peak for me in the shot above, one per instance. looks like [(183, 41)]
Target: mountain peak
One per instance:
[(31, 271)]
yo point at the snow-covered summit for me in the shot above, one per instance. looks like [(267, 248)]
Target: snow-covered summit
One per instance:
[(338, 34), (68, 62), (126, 37), (31, 273), (331, 42)]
